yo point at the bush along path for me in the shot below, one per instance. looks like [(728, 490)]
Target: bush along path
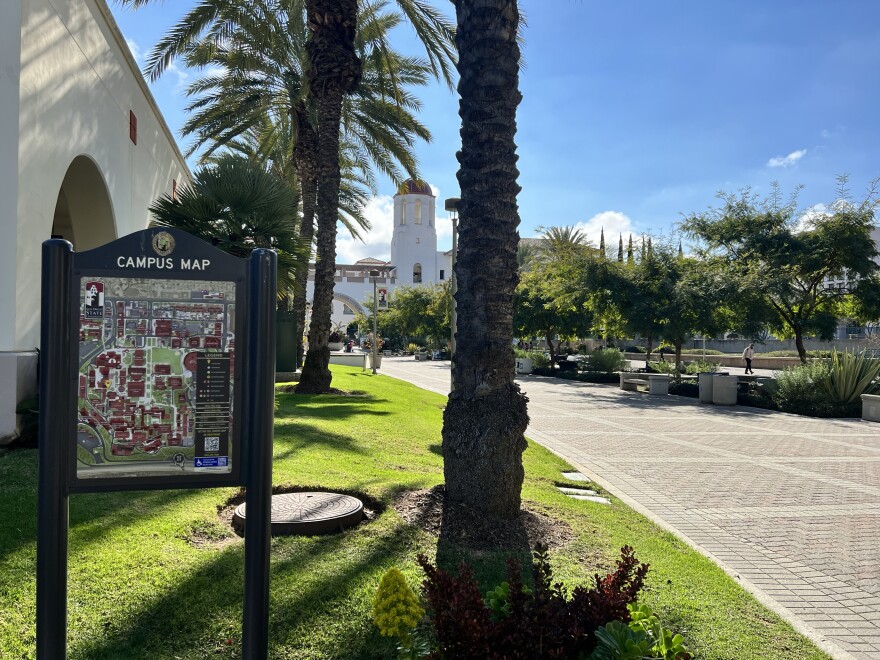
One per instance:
[(159, 574)]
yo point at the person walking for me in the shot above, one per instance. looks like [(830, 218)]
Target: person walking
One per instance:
[(747, 356)]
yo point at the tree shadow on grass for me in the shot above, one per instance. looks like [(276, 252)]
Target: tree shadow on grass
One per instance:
[(291, 437), (314, 582), (92, 515)]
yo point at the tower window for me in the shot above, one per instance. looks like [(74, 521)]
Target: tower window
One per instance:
[(403, 213), (417, 274), (417, 240), (441, 274), (418, 212)]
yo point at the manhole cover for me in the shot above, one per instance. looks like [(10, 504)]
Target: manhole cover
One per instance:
[(308, 513)]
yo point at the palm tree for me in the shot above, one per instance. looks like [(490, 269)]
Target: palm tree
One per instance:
[(560, 241), (334, 69), (485, 419), (237, 206)]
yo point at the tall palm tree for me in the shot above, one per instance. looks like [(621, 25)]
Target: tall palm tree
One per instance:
[(485, 419), (333, 71)]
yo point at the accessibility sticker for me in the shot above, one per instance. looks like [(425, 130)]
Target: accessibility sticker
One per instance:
[(211, 462)]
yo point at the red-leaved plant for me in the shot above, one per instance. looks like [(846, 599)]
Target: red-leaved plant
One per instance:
[(543, 623)]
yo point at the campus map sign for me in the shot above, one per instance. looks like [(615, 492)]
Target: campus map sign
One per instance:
[(144, 343), (156, 360)]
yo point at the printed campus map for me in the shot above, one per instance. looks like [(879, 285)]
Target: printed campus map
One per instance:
[(156, 365)]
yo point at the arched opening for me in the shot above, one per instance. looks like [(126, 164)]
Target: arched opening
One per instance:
[(417, 274), (83, 210)]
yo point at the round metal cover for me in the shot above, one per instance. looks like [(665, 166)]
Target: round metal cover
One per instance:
[(306, 514)]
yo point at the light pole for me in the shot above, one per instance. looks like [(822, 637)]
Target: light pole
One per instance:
[(451, 205), (374, 275)]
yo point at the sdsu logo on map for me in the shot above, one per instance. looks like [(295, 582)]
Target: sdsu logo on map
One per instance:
[(163, 243), (94, 305)]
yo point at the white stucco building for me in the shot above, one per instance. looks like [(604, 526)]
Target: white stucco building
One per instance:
[(84, 150), (414, 256)]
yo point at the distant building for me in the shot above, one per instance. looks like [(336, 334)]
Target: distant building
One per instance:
[(414, 257)]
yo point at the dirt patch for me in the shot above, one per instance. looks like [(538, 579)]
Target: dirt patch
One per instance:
[(204, 534), (373, 508), (467, 528)]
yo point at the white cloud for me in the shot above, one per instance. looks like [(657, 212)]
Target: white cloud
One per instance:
[(377, 241), (614, 223), (786, 161), (810, 216), (136, 51)]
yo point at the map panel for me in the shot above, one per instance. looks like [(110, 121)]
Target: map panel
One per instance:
[(156, 373)]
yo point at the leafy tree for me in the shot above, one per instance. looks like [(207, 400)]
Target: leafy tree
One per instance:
[(415, 311), (548, 305), (809, 269), (486, 416), (237, 206)]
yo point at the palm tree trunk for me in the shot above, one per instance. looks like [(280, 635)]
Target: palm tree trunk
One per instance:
[(334, 70), (305, 152), (486, 416)]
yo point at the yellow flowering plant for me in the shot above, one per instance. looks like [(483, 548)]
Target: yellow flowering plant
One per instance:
[(396, 609)]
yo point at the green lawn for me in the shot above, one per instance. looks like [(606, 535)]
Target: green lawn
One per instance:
[(138, 587)]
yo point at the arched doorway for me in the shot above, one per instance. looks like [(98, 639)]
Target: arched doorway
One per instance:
[(83, 210)]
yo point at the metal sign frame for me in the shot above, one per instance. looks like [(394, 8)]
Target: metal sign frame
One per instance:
[(253, 410)]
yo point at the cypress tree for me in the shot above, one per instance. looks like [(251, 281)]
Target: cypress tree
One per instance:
[(629, 251), (650, 248), (602, 242), (644, 253), (680, 251), (620, 249)]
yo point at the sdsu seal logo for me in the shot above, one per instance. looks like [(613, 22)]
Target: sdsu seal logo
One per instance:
[(163, 243)]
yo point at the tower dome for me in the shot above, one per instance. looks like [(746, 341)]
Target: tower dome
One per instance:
[(413, 187)]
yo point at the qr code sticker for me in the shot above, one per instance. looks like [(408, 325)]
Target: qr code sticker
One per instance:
[(212, 443)]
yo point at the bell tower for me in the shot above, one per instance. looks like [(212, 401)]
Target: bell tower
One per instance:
[(414, 239)]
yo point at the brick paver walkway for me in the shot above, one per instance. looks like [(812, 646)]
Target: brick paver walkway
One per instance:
[(789, 505)]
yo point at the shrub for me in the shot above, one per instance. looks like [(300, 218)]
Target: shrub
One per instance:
[(700, 366), (465, 626), (581, 376), (802, 390), (684, 389), (396, 609), (850, 375), (607, 360), (799, 389), (539, 358), (790, 353), (644, 637), (413, 348), (635, 349), (662, 367)]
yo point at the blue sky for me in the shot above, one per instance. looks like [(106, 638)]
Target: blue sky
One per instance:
[(637, 112)]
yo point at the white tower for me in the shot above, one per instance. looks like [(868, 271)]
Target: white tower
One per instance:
[(414, 241)]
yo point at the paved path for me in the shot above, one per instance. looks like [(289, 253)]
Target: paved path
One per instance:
[(789, 505)]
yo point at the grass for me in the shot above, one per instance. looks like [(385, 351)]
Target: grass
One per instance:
[(153, 575)]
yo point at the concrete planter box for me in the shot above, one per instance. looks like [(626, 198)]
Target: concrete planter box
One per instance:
[(421, 356), (349, 359), (523, 365), (378, 360), (871, 407), (335, 345), (724, 390)]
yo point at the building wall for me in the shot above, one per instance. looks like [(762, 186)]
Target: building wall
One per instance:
[(77, 84)]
